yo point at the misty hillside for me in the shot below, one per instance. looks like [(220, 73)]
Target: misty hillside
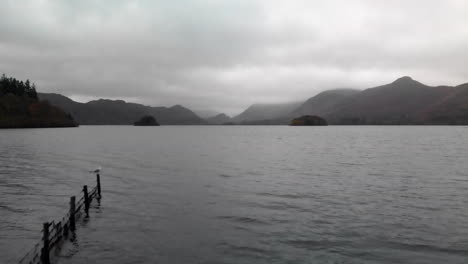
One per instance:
[(206, 113), (324, 102), (118, 112), (219, 119), (265, 111)]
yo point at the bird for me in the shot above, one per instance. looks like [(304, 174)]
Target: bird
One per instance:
[(96, 170)]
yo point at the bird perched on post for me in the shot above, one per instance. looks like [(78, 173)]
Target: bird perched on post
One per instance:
[(98, 170)]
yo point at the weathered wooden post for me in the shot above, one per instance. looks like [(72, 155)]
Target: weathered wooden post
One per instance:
[(65, 230), (59, 231), (45, 249), (72, 213), (86, 200), (98, 180)]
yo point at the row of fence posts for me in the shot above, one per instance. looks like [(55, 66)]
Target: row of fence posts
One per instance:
[(45, 257)]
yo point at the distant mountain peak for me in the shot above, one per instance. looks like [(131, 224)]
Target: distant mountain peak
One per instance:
[(219, 119), (222, 115), (177, 106), (102, 100), (404, 79)]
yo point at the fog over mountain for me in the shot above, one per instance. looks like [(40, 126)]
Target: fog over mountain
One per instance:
[(324, 103), (219, 119), (228, 55), (266, 111)]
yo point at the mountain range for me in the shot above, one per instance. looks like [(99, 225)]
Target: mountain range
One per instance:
[(118, 112), (402, 102)]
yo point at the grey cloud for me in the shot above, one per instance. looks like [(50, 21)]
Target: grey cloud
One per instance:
[(225, 55)]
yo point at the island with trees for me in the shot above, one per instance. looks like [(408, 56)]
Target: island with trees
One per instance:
[(309, 120), (146, 121)]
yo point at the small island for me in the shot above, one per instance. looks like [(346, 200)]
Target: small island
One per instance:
[(146, 121), (309, 120)]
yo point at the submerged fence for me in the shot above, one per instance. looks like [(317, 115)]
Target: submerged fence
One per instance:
[(56, 231)]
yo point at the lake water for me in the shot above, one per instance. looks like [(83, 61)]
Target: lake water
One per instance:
[(240, 194)]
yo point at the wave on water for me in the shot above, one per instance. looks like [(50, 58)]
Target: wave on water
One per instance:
[(426, 248), (286, 195), (14, 210), (243, 220), (222, 175), (315, 244)]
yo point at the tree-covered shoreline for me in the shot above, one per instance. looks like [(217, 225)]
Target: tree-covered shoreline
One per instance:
[(17, 87), (21, 108)]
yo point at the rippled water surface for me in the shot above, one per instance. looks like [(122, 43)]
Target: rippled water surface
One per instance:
[(183, 194)]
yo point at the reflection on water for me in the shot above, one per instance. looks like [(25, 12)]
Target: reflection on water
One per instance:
[(242, 194)]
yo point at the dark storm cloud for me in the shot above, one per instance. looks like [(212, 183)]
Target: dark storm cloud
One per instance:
[(225, 55)]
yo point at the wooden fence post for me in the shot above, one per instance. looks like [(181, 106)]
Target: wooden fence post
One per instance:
[(45, 248), (72, 213), (86, 200), (98, 180), (65, 230), (62, 228), (59, 231)]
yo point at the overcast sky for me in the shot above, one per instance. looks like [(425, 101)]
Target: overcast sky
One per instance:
[(226, 55)]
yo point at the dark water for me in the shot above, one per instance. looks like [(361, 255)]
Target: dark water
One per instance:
[(242, 194)]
